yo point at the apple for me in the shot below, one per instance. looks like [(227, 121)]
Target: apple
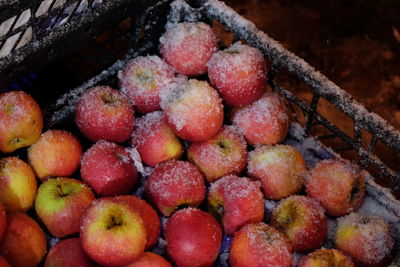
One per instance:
[(223, 154), (175, 184), (56, 153), (258, 244), (4, 262), (60, 204), (155, 140), (280, 168), (112, 233), (338, 184), (103, 113), (108, 169), (24, 243), (3, 222), (236, 201), (239, 73), (150, 260), (193, 238), (68, 253), (188, 46), (17, 184), (21, 121), (326, 257), (193, 109)]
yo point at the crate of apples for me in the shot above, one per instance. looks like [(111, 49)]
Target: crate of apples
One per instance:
[(180, 171)]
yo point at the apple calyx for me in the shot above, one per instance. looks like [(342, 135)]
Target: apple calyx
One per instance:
[(109, 99)]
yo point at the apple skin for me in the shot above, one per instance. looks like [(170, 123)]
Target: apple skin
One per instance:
[(155, 140), (367, 239), (21, 121), (60, 204), (3, 222), (193, 109), (258, 244), (149, 217), (103, 113), (188, 46), (325, 258), (56, 153), (280, 168), (265, 121), (236, 201), (302, 219), (193, 238), (338, 184), (239, 73), (112, 233), (174, 184), (24, 243), (223, 154), (150, 260), (17, 184), (68, 253), (4, 262), (108, 169)]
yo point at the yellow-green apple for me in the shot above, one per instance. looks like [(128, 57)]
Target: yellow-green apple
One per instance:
[(325, 258), (188, 46), (155, 140), (223, 154), (149, 217), (21, 121), (367, 239), (302, 219), (193, 238), (338, 184), (193, 109), (3, 221), (4, 262), (112, 233), (143, 79), (103, 113), (108, 169), (17, 184), (150, 260), (56, 153), (24, 243), (265, 121), (60, 204), (239, 73), (280, 168), (236, 201), (68, 253), (258, 244), (175, 184)]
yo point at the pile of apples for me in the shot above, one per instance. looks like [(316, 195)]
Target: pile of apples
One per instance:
[(201, 137)]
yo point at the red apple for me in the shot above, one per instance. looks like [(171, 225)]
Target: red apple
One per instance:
[(68, 253), (188, 46), (280, 169), (193, 109), (112, 233), (155, 140), (3, 222), (148, 215), (236, 201), (302, 220), (193, 238), (24, 243), (326, 257), (222, 154), (338, 184), (17, 184), (103, 113), (150, 260), (174, 184), (142, 80), (60, 204), (21, 121), (4, 262), (108, 169), (56, 153), (239, 73), (265, 121), (258, 244)]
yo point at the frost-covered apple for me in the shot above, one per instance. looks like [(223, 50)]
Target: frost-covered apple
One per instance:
[(326, 257)]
